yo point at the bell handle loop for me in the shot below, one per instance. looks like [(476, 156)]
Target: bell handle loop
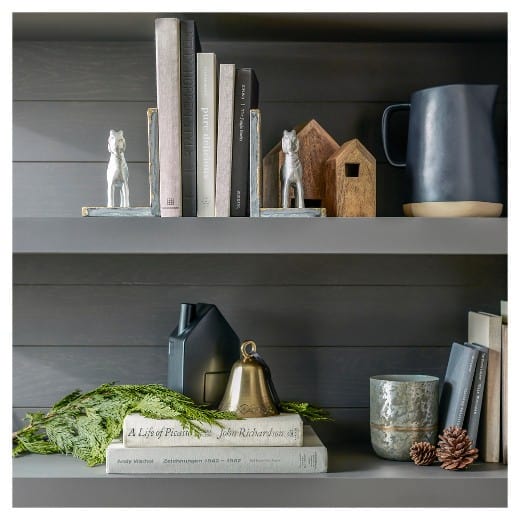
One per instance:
[(244, 351)]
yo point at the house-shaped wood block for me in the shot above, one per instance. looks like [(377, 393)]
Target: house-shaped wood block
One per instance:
[(350, 176), (316, 146)]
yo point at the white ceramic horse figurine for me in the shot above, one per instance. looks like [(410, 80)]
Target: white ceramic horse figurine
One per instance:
[(291, 172), (117, 170)]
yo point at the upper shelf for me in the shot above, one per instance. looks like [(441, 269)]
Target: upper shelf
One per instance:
[(382, 235), (268, 26)]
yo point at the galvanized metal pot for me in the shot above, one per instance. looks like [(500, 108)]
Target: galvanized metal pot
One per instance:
[(403, 410)]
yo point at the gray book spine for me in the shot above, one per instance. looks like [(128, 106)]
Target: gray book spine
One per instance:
[(206, 132), (309, 458), (255, 163), (457, 386), (153, 161), (167, 48), (226, 89), (472, 420)]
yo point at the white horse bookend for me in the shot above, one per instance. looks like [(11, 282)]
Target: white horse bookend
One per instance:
[(291, 171), (117, 170), (291, 176), (117, 184)]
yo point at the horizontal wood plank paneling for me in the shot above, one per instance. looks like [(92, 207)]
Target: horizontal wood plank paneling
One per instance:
[(287, 71), (325, 376), (251, 270), (272, 315), (63, 188), (78, 131)]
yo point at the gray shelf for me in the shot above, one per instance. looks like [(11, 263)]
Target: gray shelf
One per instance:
[(268, 26), (392, 235), (356, 478)]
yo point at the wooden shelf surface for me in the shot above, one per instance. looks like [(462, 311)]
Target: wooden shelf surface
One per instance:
[(356, 478), (392, 235)]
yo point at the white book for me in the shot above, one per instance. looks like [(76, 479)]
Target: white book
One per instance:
[(309, 458), (486, 329), (226, 92), (505, 355), (285, 429), (255, 162), (206, 132), (167, 49)]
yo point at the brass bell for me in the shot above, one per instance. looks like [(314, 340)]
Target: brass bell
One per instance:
[(248, 393)]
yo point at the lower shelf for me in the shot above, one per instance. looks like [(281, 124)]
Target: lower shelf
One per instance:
[(356, 478)]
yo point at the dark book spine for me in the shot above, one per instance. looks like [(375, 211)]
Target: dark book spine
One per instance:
[(457, 386), (246, 98), (472, 420), (190, 45)]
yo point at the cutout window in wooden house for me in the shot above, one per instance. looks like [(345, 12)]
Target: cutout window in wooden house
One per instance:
[(351, 169)]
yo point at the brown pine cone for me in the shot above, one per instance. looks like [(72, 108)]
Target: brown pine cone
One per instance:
[(454, 449), (423, 453)]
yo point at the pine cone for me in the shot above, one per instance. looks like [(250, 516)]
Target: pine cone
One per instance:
[(455, 449), (423, 453)]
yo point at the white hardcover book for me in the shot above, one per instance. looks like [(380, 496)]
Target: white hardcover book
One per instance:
[(285, 429), (255, 163), (206, 132), (226, 92), (309, 458), (486, 330), (167, 49)]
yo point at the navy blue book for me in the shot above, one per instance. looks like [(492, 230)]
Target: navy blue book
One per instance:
[(472, 420), (190, 45), (457, 384), (246, 98)]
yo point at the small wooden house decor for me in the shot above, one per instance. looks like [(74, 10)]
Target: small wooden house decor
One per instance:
[(316, 146), (350, 175)]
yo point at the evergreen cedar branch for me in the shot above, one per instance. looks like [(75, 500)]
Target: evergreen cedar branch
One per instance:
[(84, 424)]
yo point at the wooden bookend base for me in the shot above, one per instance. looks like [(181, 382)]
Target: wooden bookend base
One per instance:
[(293, 212), (467, 208), (116, 212)]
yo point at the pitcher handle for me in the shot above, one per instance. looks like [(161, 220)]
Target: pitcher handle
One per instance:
[(384, 128)]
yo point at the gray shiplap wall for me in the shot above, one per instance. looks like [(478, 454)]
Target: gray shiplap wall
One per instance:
[(325, 323)]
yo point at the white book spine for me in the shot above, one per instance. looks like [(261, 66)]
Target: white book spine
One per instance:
[(280, 430), (167, 47), (226, 92), (206, 132), (310, 458)]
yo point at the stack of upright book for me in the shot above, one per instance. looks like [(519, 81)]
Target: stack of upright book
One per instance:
[(474, 391), (277, 444), (208, 123)]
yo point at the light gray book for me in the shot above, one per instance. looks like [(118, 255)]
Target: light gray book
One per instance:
[(206, 132), (309, 458), (285, 429), (226, 92), (167, 49), (486, 329), (255, 163), (456, 387)]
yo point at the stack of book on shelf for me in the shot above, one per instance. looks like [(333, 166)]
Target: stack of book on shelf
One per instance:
[(208, 124), (277, 444), (474, 391)]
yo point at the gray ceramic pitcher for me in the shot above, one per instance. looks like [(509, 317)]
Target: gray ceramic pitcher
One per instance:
[(451, 158)]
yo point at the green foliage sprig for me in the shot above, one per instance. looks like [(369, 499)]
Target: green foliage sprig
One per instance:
[(84, 424)]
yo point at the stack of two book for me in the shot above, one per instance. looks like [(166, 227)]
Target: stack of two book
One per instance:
[(278, 444)]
